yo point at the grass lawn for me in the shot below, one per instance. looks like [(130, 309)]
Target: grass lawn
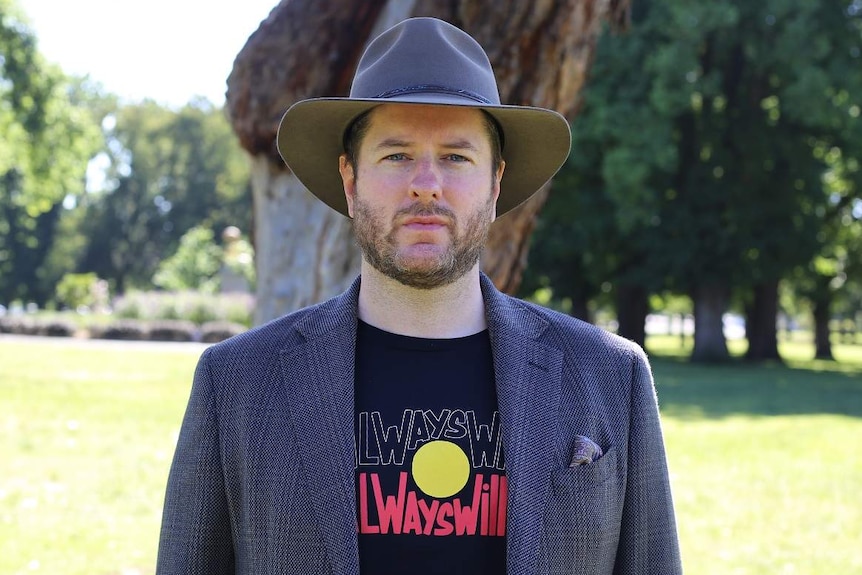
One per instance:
[(88, 431), (765, 460)]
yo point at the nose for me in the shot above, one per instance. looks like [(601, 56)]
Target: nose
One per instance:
[(426, 184)]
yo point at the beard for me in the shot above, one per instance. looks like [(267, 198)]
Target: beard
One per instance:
[(381, 249)]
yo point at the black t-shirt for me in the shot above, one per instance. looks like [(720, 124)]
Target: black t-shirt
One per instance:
[(430, 481)]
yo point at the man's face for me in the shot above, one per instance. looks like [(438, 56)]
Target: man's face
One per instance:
[(422, 194)]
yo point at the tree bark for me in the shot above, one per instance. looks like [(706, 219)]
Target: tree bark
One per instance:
[(822, 344), (632, 307), (760, 325), (541, 53), (710, 303), (291, 220), (304, 251)]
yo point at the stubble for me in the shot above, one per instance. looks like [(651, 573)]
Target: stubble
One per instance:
[(380, 248)]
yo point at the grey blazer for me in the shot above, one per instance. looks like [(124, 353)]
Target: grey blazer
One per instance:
[(262, 481)]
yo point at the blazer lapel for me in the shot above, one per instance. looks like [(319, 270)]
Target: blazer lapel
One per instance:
[(319, 376), (528, 378)]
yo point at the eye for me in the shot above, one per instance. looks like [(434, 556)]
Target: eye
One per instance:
[(456, 158), (396, 157)]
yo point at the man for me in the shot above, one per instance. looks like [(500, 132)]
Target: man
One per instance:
[(421, 422)]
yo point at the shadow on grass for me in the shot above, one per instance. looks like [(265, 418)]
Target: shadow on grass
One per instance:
[(687, 390)]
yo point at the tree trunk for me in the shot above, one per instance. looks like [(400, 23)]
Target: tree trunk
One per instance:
[(304, 251), (580, 308), (541, 52), (710, 303), (822, 345), (632, 307), (289, 275), (505, 255), (760, 325)]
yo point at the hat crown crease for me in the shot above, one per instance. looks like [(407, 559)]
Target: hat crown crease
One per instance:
[(450, 59)]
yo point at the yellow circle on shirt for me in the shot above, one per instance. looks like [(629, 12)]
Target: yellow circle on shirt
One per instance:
[(440, 468)]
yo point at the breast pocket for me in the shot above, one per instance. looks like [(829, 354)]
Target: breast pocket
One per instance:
[(582, 517)]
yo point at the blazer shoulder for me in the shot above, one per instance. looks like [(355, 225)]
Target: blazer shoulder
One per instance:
[(291, 329), (569, 331)]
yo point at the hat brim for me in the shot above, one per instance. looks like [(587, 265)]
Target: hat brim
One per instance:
[(310, 134)]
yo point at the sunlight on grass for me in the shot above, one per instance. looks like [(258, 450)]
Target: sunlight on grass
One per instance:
[(88, 433), (767, 495), (798, 352), (764, 458)]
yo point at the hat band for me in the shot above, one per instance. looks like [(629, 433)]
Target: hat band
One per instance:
[(429, 88)]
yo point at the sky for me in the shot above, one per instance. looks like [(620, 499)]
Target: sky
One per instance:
[(166, 50)]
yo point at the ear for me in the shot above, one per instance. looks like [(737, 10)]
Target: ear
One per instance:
[(348, 180), (498, 178)]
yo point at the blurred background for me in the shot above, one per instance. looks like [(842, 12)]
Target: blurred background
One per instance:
[(711, 210), (714, 179)]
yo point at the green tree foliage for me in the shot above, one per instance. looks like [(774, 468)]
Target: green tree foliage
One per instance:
[(80, 290), (831, 282), (194, 266), (169, 171), (47, 140), (700, 152)]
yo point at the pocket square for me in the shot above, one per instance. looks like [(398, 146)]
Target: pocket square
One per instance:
[(585, 451)]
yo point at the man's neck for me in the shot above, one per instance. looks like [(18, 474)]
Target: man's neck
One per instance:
[(454, 310)]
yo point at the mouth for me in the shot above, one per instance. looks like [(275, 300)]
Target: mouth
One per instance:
[(425, 223)]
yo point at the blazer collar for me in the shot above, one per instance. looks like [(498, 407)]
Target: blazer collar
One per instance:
[(321, 375)]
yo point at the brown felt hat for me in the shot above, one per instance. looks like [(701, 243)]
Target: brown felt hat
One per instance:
[(422, 61)]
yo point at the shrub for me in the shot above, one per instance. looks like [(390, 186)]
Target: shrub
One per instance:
[(216, 331), (13, 324), (198, 308), (82, 290), (145, 305), (192, 306), (195, 265), (121, 329), (172, 330), (19, 325), (56, 328), (237, 308)]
